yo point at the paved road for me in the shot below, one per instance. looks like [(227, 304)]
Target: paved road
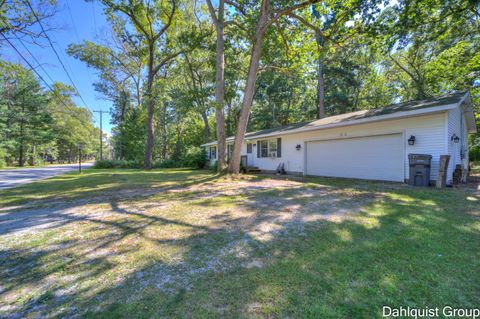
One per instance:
[(15, 177)]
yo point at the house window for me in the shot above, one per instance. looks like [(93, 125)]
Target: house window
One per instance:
[(269, 148), (213, 152), (264, 148), (249, 148), (272, 148)]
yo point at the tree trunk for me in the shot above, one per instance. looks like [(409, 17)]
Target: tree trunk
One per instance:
[(139, 94), (262, 25), (207, 126), (178, 144), (320, 90), (320, 79), (420, 84), (164, 131), (147, 163), (220, 87), (34, 151)]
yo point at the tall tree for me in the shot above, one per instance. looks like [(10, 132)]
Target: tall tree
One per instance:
[(28, 118), (218, 19), (414, 34), (151, 22), (266, 15), (72, 125), (119, 65), (328, 21), (36, 124)]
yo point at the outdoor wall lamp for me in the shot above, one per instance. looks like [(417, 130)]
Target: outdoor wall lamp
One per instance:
[(298, 147), (455, 138), (411, 140)]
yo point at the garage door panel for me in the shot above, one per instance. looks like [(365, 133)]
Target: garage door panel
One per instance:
[(373, 157)]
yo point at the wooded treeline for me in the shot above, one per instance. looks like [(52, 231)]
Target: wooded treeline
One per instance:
[(183, 72), (39, 125), (39, 121)]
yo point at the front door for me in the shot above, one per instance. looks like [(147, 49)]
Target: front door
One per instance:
[(250, 154)]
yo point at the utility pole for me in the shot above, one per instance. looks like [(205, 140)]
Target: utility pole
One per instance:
[(101, 133)]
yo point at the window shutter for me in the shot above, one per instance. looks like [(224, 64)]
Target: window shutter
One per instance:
[(258, 148), (279, 147)]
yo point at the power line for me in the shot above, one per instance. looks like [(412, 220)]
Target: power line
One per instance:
[(41, 78), (75, 30), (94, 18), (73, 22), (55, 51), (39, 64)]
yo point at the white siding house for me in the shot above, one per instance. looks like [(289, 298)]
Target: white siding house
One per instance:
[(368, 144)]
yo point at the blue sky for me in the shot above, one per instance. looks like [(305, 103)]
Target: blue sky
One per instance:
[(74, 22)]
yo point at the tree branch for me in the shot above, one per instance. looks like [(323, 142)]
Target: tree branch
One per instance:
[(169, 22), (213, 15), (166, 60), (231, 22), (402, 67), (306, 23), (279, 13), (236, 6)]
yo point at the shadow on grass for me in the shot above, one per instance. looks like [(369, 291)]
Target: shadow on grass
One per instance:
[(297, 255), (91, 183)]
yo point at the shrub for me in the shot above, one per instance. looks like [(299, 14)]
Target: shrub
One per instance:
[(168, 163), (195, 157), (104, 164), (130, 164), (474, 154)]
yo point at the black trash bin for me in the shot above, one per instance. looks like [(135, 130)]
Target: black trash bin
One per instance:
[(419, 169)]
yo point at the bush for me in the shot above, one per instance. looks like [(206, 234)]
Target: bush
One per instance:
[(474, 154), (131, 164), (169, 163), (105, 164), (195, 157)]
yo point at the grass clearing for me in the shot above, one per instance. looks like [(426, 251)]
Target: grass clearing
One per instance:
[(182, 243)]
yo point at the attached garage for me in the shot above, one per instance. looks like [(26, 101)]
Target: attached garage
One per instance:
[(378, 157)]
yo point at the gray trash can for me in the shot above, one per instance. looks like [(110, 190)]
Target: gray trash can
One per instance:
[(419, 169)]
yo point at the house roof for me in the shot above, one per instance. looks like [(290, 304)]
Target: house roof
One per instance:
[(405, 109)]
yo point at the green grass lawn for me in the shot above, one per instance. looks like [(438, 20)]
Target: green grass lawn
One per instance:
[(192, 244)]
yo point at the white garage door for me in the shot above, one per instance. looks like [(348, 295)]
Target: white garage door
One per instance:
[(372, 157)]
